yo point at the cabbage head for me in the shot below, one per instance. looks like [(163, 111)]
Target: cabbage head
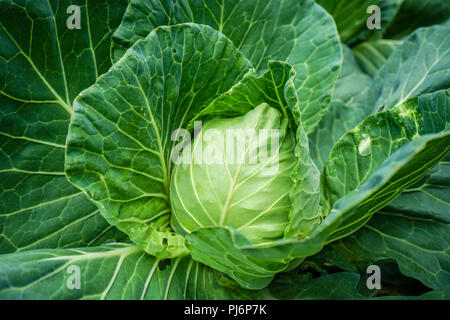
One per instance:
[(324, 148), (237, 173)]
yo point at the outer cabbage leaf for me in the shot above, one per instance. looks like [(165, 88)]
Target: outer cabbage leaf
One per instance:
[(362, 151), (388, 10), (420, 65), (429, 197), (418, 245), (43, 66), (350, 16), (229, 177), (115, 271), (336, 286), (346, 111), (412, 230), (119, 142), (298, 32), (254, 266), (414, 14), (372, 55)]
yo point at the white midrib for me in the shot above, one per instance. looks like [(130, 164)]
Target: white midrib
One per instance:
[(193, 180), (97, 255), (149, 278), (232, 187), (113, 278)]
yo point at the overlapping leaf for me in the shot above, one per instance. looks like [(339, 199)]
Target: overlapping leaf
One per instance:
[(420, 246), (372, 55), (412, 230), (341, 285), (388, 11), (362, 151), (120, 138), (298, 32), (116, 271), (429, 198), (43, 66), (420, 65), (335, 286), (395, 172), (350, 16), (346, 111)]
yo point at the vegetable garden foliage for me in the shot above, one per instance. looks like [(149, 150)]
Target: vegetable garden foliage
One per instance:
[(90, 195)]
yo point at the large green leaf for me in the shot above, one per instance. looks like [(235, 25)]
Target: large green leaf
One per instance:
[(420, 65), (43, 66), (296, 31), (336, 286), (115, 271), (417, 13), (372, 55), (362, 151), (412, 230), (254, 266), (350, 16), (346, 111), (119, 143), (443, 294), (440, 294), (276, 87)]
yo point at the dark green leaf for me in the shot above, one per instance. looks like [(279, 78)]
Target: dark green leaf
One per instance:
[(298, 32), (336, 286), (350, 16), (414, 14), (372, 55), (43, 66), (347, 109), (116, 271), (421, 64)]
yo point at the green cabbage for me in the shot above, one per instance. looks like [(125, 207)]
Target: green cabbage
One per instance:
[(238, 175)]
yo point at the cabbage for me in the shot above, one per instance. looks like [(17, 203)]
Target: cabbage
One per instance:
[(238, 174)]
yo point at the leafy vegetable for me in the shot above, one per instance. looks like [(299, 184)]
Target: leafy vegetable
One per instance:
[(43, 67), (223, 150), (298, 32), (242, 186)]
